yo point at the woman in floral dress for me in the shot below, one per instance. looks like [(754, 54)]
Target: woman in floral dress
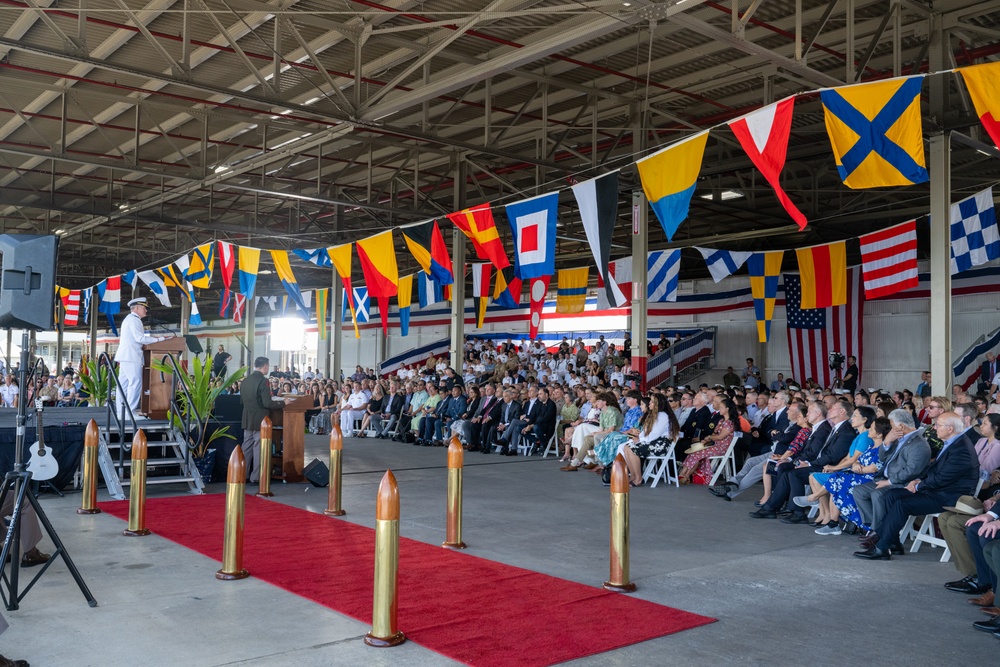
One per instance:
[(840, 484), (716, 444)]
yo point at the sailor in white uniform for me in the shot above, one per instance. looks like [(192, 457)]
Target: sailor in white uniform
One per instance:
[(129, 355)]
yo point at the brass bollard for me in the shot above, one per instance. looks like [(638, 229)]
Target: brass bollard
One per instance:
[(333, 507), (264, 490), (384, 632), (453, 520), (619, 528), (137, 489), (91, 439), (232, 546)]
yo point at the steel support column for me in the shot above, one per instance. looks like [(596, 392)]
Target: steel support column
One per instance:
[(250, 329), (457, 325), (940, 174), (640, 249)]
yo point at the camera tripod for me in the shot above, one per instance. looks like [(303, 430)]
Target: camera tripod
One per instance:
[(18, 482)]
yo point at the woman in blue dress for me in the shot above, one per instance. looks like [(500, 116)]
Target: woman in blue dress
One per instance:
[(838, 501)]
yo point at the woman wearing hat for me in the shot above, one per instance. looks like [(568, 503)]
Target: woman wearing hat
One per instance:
[(717, 444)]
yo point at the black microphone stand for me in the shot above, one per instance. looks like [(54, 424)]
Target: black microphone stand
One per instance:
[(18, 482)]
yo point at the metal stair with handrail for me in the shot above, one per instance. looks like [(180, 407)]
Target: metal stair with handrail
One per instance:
[(168, 441)]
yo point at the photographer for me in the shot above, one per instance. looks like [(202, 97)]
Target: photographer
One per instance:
[(850, 381)]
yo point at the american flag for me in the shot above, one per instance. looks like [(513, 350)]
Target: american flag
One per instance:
[(813, 334)]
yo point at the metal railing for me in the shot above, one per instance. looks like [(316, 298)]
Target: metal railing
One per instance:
[(176, 414)]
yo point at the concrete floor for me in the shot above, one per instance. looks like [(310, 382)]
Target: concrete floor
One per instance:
[(783, 595)]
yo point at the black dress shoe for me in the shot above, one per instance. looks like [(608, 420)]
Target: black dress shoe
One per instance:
[(718, 491), (969, 586), (873, 554), (504, 451), (796, 518), (485, 450), (896, 549), (510, 452), (763, 513), (991, 625)]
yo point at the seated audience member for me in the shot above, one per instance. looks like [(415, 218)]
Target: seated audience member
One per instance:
[(650, 439), (431, 421), (814, 460), (961, 534), (953, 473), (791, 439), (833, 490), (716, 444), (449, 414), (983, 536), (904, 456), (485, 419), (569, 412), (606, 442), (510, 411), (391, 413), (779, 466), (373, 412), (352, 409), (462, 426), (609, 419), (429, 405)]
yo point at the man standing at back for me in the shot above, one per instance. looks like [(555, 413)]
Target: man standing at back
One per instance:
[(255, 395)]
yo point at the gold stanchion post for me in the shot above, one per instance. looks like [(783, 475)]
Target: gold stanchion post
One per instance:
[(619, 580), (453, 520), (137, 488), (384, 631), (264, 490), (333, 507), (91, 438), (232, 546)]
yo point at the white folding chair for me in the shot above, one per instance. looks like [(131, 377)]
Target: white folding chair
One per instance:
[(659, 468), (553, 444), (926, 532), (725, 464)]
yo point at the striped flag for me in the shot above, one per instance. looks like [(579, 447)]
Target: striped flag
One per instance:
[(571, 293), (404, 298), (322, 295), (340, 257), (823, 271), (889, 260), (814, 334), (598, 202), (378, 264), (71, 306), (249, 264), (429, 291), (723, 263), (764, 268), (662, 272)]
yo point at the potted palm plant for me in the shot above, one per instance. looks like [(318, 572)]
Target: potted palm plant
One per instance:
[(198, 409), (94, 381)]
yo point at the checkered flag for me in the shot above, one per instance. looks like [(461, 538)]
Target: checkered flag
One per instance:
[(974, 237)]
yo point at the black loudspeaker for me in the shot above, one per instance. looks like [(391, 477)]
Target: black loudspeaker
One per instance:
[(317, 473), (194, 345), (28, 281)]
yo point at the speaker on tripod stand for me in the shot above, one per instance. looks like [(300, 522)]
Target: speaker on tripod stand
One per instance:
[(27, 301)]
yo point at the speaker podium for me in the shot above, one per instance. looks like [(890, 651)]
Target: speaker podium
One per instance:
[(156, 386)]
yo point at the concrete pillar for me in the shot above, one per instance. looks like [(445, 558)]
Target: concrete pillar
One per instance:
[(640, 251), (940, 175), (250, 330), (457, 326)]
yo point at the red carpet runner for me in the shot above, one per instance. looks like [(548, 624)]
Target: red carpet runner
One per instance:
[(470, 609)]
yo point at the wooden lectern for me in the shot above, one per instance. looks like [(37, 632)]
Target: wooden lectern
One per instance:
[(288, 437), (155, 401)]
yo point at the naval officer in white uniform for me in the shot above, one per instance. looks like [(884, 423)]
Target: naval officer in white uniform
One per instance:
[(129, 355)]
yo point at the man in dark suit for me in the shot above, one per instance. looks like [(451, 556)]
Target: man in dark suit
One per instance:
[(987, 371), (512, 435), (393, 409), (954, 473), (540, 422), (836, 447), (510, 410), (813, 449), (255, 395), (455, 409), (484, 417)]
